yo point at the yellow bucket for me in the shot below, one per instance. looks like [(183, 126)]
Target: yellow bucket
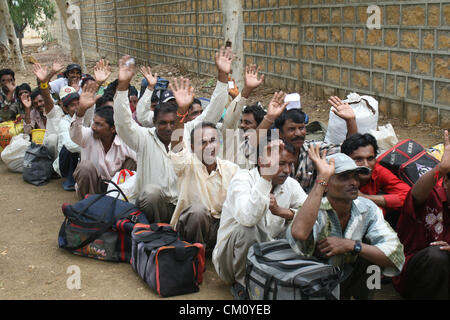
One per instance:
[(37, 136)]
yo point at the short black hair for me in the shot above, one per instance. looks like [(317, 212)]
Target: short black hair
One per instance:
[(257, 111), (7, 71), (103, 100), (295, 115), (107, 113), (23, 86), (165, 107), (204, 124), (196, 101), (85, 79), (35, 93), (359, 140)]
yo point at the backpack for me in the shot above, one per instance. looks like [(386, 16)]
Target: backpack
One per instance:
[(408, 160), (99, 227), (276, 272), (168, 265)]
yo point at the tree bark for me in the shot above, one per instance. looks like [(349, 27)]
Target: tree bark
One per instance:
[(11, 34), (233, 29), (73, 32)]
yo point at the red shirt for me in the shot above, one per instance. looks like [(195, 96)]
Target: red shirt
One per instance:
[(417, 227), (395, 190)]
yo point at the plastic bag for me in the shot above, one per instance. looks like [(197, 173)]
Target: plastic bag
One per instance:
[(386, 137), (37, 165), (9, 129), (366, 113), (125, 179), (14, 153), (437, 151)]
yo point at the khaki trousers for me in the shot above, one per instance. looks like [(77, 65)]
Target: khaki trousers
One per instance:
[(154, 204)]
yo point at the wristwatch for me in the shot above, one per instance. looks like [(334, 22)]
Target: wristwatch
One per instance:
[(357, 248)]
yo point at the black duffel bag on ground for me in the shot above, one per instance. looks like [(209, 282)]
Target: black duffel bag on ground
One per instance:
[(99, 227)]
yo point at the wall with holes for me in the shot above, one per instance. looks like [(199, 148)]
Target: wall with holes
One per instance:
[(322, 46)]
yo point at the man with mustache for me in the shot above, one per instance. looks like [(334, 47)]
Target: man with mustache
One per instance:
[(72, 77), (203, 178), (424, 229), (240, 123), (292, 127), (380, 185), (103, 152), (156, 180), (334, 223), (259, 205)]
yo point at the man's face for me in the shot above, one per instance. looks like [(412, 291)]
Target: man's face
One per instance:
[(5, 80), (248, 122), (287, 160), (294, 133), (38, 103), (74, 76), (194, 111), (364, 157), (206, 145), (343, 186), (72, 107), (101, 128), (165, 125)]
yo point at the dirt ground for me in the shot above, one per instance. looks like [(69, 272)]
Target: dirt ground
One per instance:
[(32, 267)]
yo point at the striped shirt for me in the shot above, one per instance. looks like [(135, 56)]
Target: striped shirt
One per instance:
[(306, 173), (366, 224)]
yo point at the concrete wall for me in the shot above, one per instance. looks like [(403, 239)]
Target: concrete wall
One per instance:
[(317, 45)]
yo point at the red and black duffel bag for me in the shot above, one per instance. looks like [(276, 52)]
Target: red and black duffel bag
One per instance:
[(408, 160), (168, 265)]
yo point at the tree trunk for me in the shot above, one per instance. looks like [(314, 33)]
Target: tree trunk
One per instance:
[(73, 31), (4, 47), (233, 29), (11, 34)]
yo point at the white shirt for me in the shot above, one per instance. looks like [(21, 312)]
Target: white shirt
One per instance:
[(58, 84), (153, 162), (64, 140), (247, 204)]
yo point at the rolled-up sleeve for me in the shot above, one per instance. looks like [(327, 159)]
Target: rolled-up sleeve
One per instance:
[(78, 133)]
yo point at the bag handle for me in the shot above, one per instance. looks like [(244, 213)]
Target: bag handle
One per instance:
[(118, 188)]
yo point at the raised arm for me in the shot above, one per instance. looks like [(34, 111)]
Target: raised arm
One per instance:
[(78, 133), (274, 110), (127, 129), (43, 76), (421, 190), (306, 216), (345, 112), (184, 95), (26, 102), (143, 112)]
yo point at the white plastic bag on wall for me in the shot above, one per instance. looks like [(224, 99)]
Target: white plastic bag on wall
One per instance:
[(366, 113)]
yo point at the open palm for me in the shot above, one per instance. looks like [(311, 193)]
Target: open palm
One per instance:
[(182, 91), (223, 59), (41, 72), (152, 79), (102, 71), (341, 109), (126, 69), (251, 76), (276, 105)]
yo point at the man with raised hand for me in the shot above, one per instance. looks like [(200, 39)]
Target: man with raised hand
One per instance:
[(239, 124), (103, 153), (334, 223), (424, 229), (156, 181), (203, 178), (259, 205), (219, 99)]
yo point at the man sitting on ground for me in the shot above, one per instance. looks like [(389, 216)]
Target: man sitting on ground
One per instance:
[(103, 153), (424, 229), (34, 112), (380, 185), (259, 205), (340, 226), (203, 178), (7, 95), (156, 180)]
